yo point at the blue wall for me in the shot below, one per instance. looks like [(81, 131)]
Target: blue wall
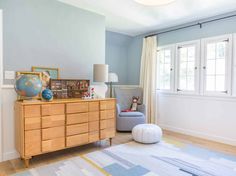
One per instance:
[(117, 54), (52, 34), (227, 26), (122, 55)]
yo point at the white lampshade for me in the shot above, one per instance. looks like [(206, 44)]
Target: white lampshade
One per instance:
[(112, 77), (100, 73)]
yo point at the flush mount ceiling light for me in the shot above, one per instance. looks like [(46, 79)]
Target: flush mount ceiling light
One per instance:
[(154, 2)]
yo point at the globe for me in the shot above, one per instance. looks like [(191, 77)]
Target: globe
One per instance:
[(28, 86), (47, 95)]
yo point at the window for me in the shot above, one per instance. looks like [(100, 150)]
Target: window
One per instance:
[(217, 65), (202, 66), (165, 63), (187, 66)]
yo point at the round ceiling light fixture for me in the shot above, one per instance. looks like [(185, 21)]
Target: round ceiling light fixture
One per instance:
[(154, 2)]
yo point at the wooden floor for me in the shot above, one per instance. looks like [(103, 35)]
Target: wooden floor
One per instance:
[(17, 165)]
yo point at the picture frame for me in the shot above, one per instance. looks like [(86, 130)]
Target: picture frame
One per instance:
[(53, 72), (69, 88), (39, 74), (47, 74)]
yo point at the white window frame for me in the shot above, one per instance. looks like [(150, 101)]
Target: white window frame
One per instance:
[(228, 76), (172, 74), (233, 77), (197, 65)]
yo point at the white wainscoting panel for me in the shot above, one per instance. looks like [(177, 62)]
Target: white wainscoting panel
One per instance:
[(209, 118), (8, 99)]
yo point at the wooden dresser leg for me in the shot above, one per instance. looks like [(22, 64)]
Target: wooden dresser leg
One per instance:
[(110, 139), (27, 160)]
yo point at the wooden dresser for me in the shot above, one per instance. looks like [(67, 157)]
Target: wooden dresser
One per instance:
[(43, 127)]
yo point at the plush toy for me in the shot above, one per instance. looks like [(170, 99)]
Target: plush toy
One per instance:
[(134, 106)]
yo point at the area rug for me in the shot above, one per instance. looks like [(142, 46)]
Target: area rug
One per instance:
[(167, 158)]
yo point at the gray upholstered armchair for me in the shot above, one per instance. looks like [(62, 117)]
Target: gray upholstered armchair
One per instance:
[(127, 120)]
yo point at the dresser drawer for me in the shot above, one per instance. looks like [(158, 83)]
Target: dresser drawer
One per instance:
[(77, 107), (32, 123), (53, 109), (77, 129), (53, 144), (93, 106), (94, 126), (32, 111), (32, 142), (94, 136), (107, 133), (77, 118), (110, 123), (107, 114), (52, 133), (53, 121), (77, 140), (104, 105), (94, 116)]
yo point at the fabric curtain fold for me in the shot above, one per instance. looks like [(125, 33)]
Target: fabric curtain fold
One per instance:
[(148, 77)]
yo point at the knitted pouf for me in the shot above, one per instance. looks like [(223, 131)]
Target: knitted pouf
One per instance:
[(147, 133)]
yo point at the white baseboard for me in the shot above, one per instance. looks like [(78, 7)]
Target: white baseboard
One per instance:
[(219, 139), (10, 155)]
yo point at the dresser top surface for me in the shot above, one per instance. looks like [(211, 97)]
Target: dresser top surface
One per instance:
[(56, 101)]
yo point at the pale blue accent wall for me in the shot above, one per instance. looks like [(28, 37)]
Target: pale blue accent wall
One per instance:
[(117, 55), (135, 52), (52, 34)]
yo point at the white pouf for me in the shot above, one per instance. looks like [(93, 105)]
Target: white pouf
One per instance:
[(147, 133)]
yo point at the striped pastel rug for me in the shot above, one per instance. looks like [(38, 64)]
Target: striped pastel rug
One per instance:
[(133, 159)]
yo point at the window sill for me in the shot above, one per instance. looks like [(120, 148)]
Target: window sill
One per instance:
[(197, 96)]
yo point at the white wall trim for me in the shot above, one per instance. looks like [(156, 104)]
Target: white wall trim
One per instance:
[(219, 139), (1, 81), (197, 96), (10, 155), (126, 86), (7, 86)]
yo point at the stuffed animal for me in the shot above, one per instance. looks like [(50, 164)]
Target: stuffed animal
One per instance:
[(134, 106)]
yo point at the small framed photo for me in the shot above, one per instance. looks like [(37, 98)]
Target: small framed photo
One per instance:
[(47, 74), (39, 74), (53, 72)]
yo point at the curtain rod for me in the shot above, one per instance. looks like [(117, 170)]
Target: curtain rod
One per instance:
[(192, 25)]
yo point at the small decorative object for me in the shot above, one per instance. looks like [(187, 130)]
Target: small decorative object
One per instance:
[(112, 78), (69, 88), (53, 72), (28, 85), (47, 95), (86, 95), (134, 106), (92, 93)]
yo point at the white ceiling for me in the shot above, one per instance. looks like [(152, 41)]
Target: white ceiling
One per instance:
[(131, 18)]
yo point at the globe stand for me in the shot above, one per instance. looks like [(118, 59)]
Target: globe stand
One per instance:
[(30, 99)]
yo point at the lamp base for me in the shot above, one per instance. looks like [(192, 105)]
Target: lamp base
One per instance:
[(100, 90)]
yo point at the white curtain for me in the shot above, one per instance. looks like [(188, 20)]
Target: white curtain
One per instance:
[(148, 77)]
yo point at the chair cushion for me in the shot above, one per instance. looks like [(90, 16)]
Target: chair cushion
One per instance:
[(131, 114)]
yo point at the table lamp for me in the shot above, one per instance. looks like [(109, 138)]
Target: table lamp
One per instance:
[(112, 78), (100, 75)]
